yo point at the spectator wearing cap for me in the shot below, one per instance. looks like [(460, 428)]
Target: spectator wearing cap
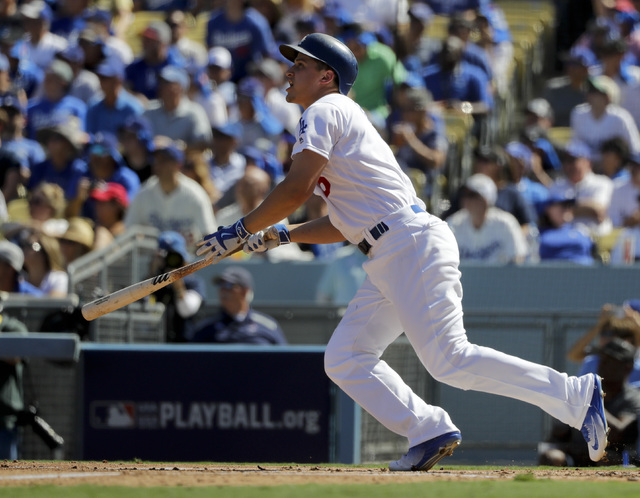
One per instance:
[(494, 37), (601, 118), (522, 164), (379, 16), (77, 240), (420, 47), (85, 84), (265, 160), (93, 47), (11, 277), (136, 138), (335, 17), (237, 322), (227, 164), (255, 118), (169, 200), (624, 211), (613, 64), (64, 166), (105, 165), (560, 239), (182, 299), (174, 115), (142, 74), (41, 44), (244, 32), (457, 85), (193, 52), (219, 70), (112, 111), (461, 26), (25, 74), (485, 233), (100, 21), (28, 151), (204, 93), (378, 70), (55, 105), (420, 144), (591, 192), (270, 74), (538, 119), (111, 202), (566, 92)]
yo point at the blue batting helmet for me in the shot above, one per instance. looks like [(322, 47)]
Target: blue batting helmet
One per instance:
[(329, 50)]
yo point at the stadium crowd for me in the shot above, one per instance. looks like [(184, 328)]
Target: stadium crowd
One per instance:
[(172, 114)]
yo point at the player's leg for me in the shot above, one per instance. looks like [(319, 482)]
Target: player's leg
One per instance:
[(417, 270), (352, 361)]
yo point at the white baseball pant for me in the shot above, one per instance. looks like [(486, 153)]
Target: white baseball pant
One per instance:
[(413, 285)]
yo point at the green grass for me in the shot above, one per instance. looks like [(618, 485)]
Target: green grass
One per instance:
[(512, 489)]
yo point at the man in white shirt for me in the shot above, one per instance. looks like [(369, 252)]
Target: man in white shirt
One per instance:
[(43, 45), (169, 200), (484, 232), (591, 192), (624, 211), (601, 118)]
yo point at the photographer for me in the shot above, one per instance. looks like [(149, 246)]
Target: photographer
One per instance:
[(11, 395), (183, 298)]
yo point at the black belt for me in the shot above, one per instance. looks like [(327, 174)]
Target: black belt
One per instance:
[(377, 231)]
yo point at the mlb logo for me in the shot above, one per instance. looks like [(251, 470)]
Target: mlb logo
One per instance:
[(113, 415)]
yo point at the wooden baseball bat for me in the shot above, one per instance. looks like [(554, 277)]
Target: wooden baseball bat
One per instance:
[(123, 297)]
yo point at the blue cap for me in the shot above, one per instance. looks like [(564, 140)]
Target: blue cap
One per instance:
[(233, 130), (12, 100), (73, 53), (634, 304), (175, 148), (555, 198), (105, 144), (520, 151), (581, 56), (577, 148), (175, 74), (111, 67), (333, 10), (171, 241), (250, 87)]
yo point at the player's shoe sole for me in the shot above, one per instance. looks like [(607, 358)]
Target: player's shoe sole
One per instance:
[(594, 428), (425, 455)]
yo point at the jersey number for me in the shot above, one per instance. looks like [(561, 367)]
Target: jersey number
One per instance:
[(324, 185)]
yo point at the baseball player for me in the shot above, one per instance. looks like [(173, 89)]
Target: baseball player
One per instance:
[(413, 282)]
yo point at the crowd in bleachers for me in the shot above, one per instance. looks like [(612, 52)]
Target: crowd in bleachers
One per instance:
[(173, 114)]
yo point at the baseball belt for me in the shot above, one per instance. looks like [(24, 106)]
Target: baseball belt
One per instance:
[(381, 228)]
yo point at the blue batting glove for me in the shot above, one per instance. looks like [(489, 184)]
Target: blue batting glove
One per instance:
[(223, 242), (266, 239)]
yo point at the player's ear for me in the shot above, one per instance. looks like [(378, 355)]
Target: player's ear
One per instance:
[(329, 76)]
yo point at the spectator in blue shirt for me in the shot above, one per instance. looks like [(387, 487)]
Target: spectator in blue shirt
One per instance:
[(457, 84), (237, 322), (244, 32), (70, 19), (24, 73), (64, 143), (521, 162), (110, 113), (105, 166), (55, 104), (29, 152), (142, 74), (136, 139)]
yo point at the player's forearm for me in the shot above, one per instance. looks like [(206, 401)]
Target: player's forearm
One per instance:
[(318, 231)]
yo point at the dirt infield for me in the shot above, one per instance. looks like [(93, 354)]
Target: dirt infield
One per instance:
[(19, 473)]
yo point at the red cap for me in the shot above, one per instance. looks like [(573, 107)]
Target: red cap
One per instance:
[(111, 191)]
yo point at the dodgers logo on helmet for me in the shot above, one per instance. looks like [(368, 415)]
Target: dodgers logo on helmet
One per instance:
[(329, 50)]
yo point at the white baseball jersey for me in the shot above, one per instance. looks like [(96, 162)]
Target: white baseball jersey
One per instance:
[(624, 202), (362, 182)]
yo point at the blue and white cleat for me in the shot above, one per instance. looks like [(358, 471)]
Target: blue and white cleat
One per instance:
[(594, 428), (425, 455)]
